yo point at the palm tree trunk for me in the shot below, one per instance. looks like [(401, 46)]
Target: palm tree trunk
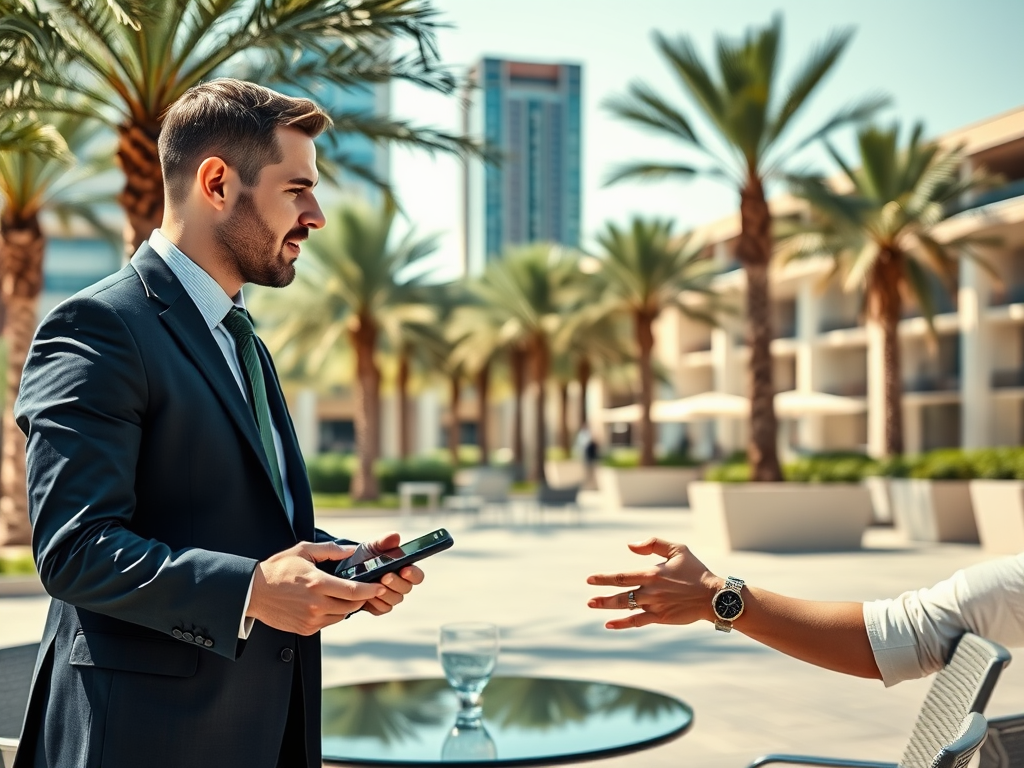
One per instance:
[(754, 251), (21, 255), (453, 424), (517, 363), (483, 383), (143, 195), (583, 371), (886, 306), (643, 323), (563, 417), (540, 359), (403, 405), (367, 411)]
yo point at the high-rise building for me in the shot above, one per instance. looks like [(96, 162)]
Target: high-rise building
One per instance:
[(530, 113)]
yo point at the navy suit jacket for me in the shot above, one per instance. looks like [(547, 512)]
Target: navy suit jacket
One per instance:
[(151, 502)]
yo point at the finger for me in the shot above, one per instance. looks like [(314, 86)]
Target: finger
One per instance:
[(655, 546), (384, 543), (412, 574), (327, 550), (634, 579), (634, 620), (613, 602), (377, 607), (396, 583), (391, 598), (353, 591)]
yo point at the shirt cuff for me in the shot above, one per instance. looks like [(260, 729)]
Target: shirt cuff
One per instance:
[(245, 625), (893, 643)]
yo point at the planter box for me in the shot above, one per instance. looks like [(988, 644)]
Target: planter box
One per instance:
[(646, 486), (781, 517), (999, 514), (881, 499), (19, 586), (934, 510)]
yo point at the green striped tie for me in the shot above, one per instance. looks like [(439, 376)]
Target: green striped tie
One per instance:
[(240, 327)]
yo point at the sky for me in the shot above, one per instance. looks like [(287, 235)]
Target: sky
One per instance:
[(946, 63)]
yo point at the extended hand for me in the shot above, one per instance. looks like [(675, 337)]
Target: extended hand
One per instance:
[(289, 592), (676, 591), (398, 584)]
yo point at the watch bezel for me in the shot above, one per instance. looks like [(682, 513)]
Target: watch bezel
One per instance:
[(718, 594)]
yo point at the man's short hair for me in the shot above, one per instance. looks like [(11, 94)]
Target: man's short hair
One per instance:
[(234, 120)]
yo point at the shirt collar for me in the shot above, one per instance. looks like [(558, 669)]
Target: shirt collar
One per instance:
[(209, 297)]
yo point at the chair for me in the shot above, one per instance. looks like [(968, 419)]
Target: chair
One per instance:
[(963, 686), (479, 487), (16, 667), (1004, 747)]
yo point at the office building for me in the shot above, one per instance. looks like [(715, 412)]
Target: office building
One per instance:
[(530, 113)]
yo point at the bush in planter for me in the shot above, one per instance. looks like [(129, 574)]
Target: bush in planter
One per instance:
[(998, 463), (828, 468), (732, 472), (945, 464), (893, 466), (627, 458), (391, 472)]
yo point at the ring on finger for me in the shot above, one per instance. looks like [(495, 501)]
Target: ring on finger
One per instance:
[(631, 601)]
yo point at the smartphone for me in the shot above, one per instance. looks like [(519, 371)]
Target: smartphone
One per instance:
[(395, 559)]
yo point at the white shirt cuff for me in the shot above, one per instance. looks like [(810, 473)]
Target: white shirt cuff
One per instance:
[(245, 625)]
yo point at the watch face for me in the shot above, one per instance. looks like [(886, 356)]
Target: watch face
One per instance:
[(728, 605)]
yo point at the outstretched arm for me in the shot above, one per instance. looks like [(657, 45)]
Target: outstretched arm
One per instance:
[(679, 591)]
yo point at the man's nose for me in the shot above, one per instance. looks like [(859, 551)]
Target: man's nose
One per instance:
[(313, 217)]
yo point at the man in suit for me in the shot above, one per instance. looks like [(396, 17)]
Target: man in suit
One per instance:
[(172, 519)]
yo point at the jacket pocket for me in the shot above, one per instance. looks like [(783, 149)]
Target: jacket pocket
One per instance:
[(146, 655)]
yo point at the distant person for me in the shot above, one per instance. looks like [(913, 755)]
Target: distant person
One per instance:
[(172, 519), (892, 640), (586, 448)]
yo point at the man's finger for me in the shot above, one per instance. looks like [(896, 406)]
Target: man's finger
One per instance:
[(634, 579), (326, 550), (654, 546), (612, 602), (384, 543), (353, 591), (639, 619), (396, 583), (412, 574)]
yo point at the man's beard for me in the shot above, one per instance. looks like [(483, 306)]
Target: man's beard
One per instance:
[(250, 243)]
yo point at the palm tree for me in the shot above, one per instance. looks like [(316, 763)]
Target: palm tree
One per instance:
[(750, 119), (132, 59), (35, 180), (361, 283), (879, 235), (531, 290), (646, 269)]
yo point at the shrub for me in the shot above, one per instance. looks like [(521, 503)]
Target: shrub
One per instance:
[(944, 464), (330, 472), (626, 458), (391, 472), (828, 468), (733, 472), (21, 565)]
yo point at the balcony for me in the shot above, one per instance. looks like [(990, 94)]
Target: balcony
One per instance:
[(1014, 188), (1007, 379), (932, 382), (837, 324)]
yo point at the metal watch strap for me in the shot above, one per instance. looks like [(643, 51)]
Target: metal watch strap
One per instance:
[(733, 585)]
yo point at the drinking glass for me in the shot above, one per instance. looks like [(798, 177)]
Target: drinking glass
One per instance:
[(468, 741), (468, 654)]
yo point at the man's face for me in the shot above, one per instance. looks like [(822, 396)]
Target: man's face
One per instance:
[(263, 232)]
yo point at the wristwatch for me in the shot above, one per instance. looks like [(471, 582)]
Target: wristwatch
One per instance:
[(728, 604)]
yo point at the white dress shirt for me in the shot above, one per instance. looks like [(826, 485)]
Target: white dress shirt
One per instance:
[(214, 304), (911, 635)]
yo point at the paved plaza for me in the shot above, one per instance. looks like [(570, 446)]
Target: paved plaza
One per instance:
[(527, 573)]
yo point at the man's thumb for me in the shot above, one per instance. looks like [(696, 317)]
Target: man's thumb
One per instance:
[(327, 550)]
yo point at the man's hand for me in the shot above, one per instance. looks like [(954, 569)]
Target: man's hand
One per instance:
[(676, 591), (289, 592), (398, 584)]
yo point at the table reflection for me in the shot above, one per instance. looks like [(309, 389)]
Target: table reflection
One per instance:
[(524, 719)]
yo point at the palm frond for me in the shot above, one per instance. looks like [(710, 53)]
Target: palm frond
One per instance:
[(641, 105), (657, 171)]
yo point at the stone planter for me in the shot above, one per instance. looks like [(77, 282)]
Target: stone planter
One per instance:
[(999, 514), (780, 517), (646, 486), (881, 499), (19, 586), (934, 510)]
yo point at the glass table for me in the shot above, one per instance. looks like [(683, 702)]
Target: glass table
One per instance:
[(526, 721)]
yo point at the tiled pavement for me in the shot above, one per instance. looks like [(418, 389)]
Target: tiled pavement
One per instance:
[(528, 576)]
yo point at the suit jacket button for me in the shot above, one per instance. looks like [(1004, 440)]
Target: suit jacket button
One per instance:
[(187, 636), (208, 642), (287, 654), (199, 639), (176, 633)]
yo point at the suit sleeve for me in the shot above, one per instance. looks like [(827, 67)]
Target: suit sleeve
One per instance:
[(82, 406)]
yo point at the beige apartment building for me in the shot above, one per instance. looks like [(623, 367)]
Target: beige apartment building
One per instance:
[(964, 387)]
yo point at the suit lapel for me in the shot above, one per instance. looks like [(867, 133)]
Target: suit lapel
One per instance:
[(297, 480), (185, 323)]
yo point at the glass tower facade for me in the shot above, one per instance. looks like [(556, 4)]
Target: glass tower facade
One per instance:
[(530, 113)]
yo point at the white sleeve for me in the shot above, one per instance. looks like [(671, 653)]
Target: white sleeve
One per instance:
[(911, 635), (245, 625)]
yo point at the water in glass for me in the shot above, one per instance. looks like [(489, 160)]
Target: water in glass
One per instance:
[(468, 654)]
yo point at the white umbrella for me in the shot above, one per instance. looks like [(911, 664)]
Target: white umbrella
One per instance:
[(796, 403), (708, 405)]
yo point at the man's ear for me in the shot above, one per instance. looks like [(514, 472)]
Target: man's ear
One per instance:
[(212, 177)]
